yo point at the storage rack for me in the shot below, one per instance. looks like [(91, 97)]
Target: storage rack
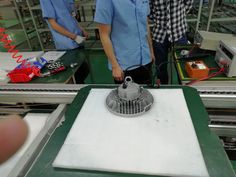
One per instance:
[(221, 16), (86, 11), (16, 27), (42, 31), (32, 31), (194, 16)]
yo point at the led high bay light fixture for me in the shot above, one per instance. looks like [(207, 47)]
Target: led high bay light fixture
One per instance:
[(129, 99)]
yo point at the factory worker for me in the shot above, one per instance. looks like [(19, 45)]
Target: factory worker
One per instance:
[(170, 26), (124, 34), (66, 32), (13, 134)]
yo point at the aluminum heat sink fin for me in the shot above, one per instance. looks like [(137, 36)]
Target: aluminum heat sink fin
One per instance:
[(129, 99)]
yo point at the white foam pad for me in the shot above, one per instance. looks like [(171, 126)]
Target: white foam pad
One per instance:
[(161, 142)]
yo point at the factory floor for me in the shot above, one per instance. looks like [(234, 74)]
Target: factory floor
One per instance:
[(99, 72)]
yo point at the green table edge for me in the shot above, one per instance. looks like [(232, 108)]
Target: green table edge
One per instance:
[(211, 59)]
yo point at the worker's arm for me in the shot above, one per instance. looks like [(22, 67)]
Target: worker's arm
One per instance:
[(105, 31), (188, 5), (60, 29), (150, 43)]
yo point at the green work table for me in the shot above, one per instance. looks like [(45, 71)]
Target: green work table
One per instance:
[(209, 61), (71, 56), (216, 160)]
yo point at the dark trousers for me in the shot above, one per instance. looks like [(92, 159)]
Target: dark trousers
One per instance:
[(82, 73), (161, 51), (140, 75)]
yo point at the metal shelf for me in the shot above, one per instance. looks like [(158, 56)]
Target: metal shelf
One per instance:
[(225, 12), (36, 7), (192, 20), (15, 25), (220, 15), (31, 8), (18, 26), (230, 27), (86, 3), (43, 30), (8, 6), (195, 16)]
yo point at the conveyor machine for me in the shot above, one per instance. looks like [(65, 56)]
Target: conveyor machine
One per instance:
[(71, 98)]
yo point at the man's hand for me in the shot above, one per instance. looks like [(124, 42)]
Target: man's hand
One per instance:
[(85, 34), (117, 73), (79, 39)]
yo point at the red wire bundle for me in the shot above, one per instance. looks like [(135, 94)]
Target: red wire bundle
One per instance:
[(221, 70), (11, 48)]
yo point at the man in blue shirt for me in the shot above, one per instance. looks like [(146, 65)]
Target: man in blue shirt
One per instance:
[(67, 35), (125, 36)]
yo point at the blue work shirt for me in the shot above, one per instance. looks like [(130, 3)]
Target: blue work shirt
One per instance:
[(129, 35), (62, 11)]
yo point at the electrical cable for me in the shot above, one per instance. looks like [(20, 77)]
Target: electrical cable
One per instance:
[(157, 68), (163, 63), (140, 65)]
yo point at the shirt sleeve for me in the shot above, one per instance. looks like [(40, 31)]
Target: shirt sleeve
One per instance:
[(104, 12), (47, 9), (188, 5)]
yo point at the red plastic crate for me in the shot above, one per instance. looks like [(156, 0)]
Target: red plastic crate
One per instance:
[(22, 74)]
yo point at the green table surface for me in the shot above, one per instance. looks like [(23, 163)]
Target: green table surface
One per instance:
[(209, 61), (216, 160), (233, 162), (71, 56)]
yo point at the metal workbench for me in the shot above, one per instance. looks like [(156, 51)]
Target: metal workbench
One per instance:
[(220, 96), (212, 150), (214, 155)]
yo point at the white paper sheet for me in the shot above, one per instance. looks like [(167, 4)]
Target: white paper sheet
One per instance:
[(36, 123), (160, 142), (53, 55), (7, 63), (3, 76)]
